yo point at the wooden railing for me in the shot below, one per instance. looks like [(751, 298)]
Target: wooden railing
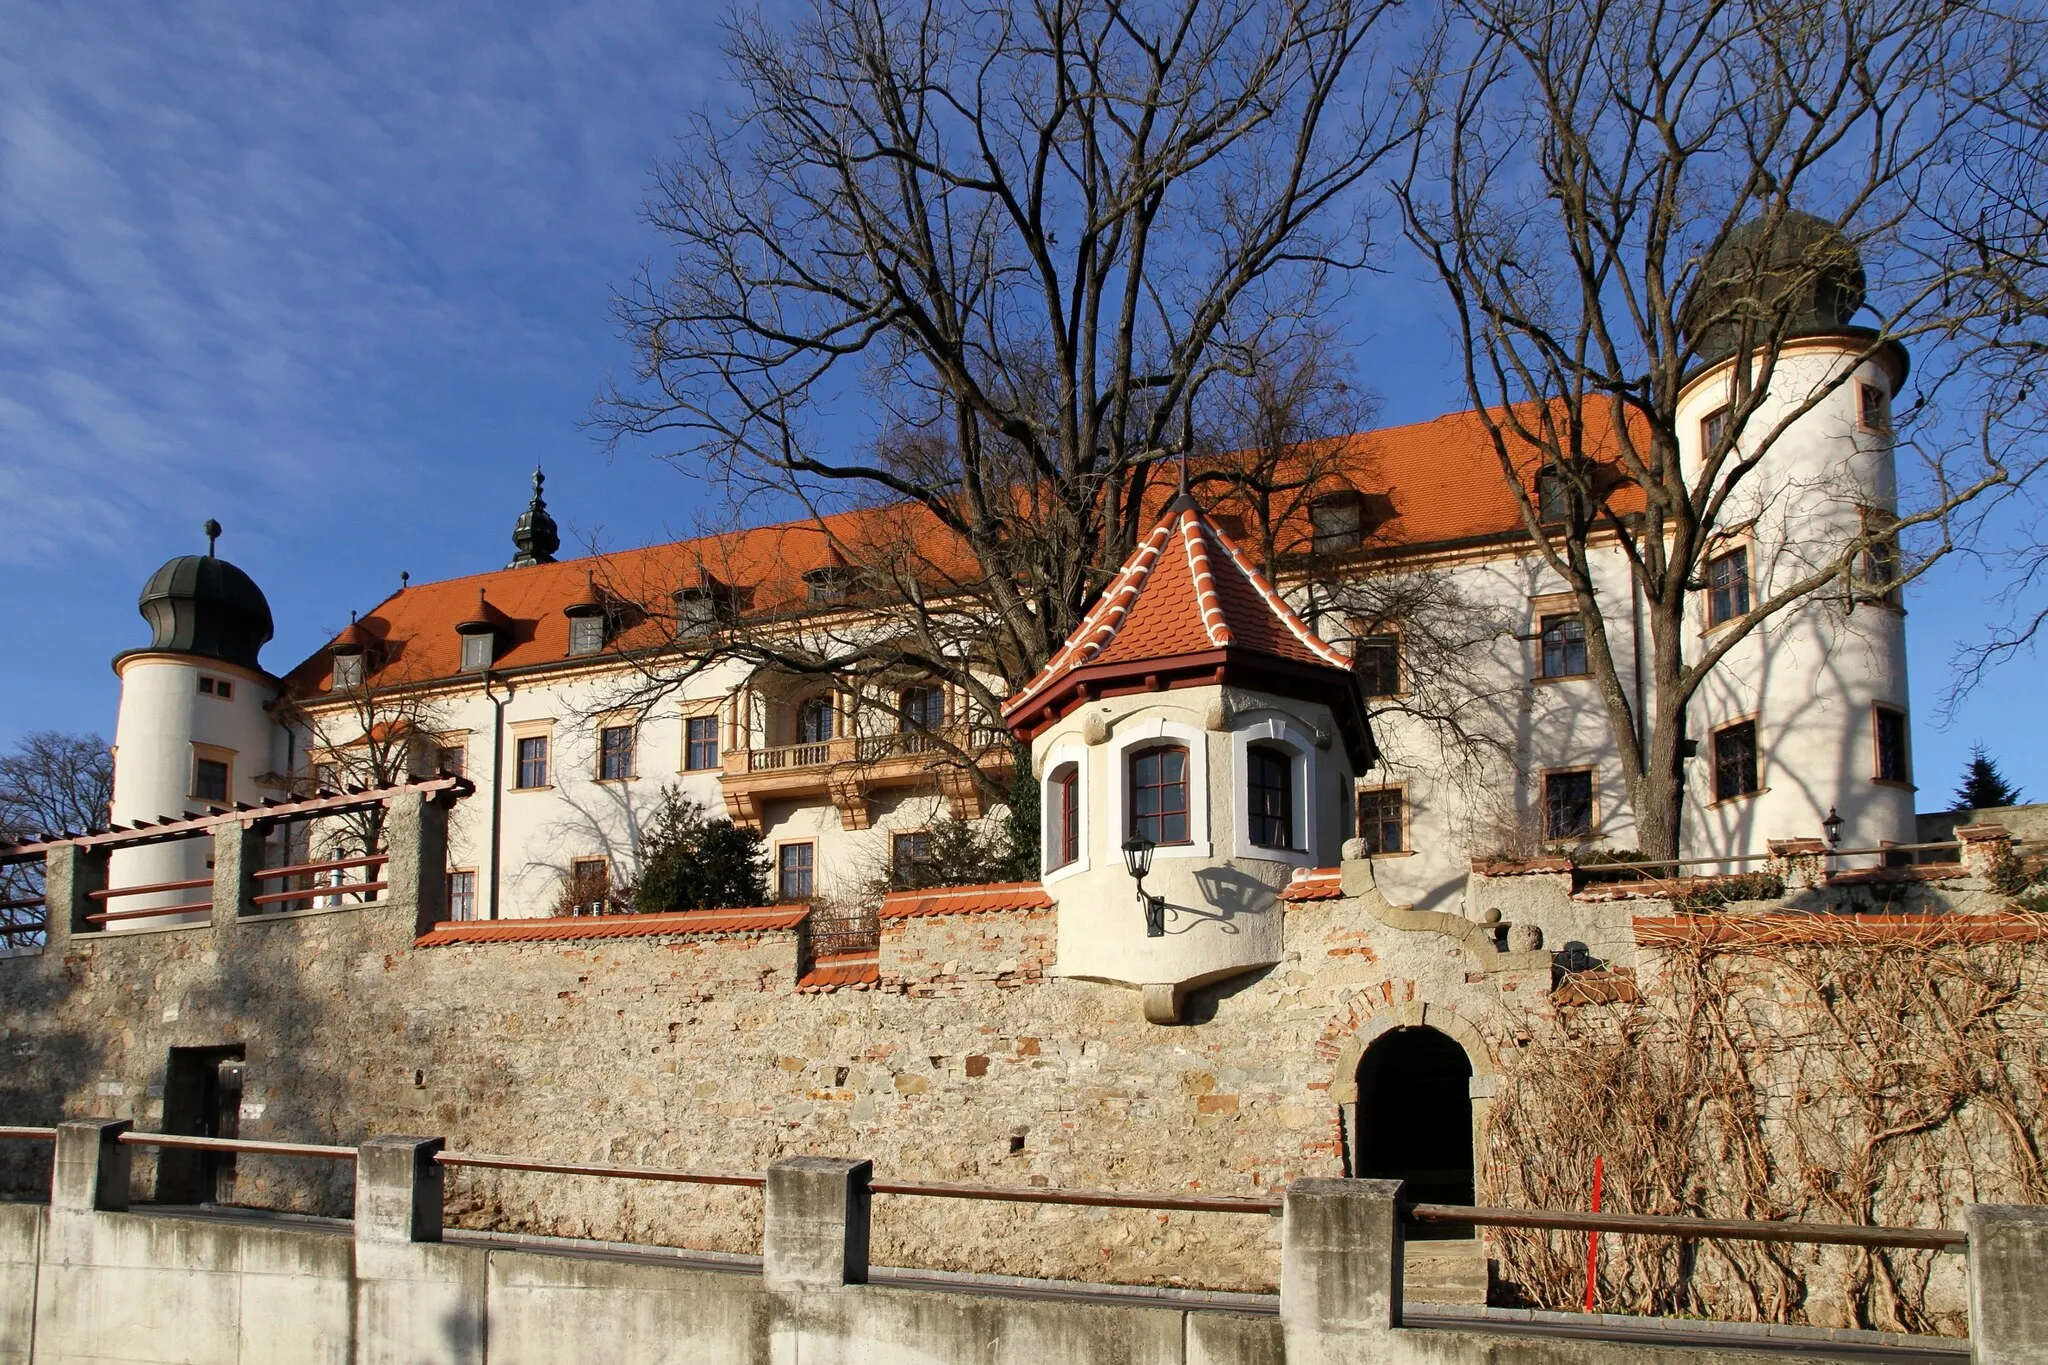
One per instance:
[(336, 888), (153, 888)]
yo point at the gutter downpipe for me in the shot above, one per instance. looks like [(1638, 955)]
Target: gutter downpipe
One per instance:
[(497, 782)]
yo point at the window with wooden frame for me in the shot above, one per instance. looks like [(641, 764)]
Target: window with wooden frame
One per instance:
[(452, 757), (532, 757), (1383, 819), (1889, 742), (348, 671), (1063, 817), (1728, 585), (615, 753), (700, 743), (1568, 804), (479, 648), (815, 718), (1269, 795), (1376, 659), (1559, 496), (1735, 761), (213, 774), (1336, 523), (795, 871), (1159, 794), (590, 886), (216, 687), (1877, 569), (922, 707), (1564, 647), (1873, 413), (910, 852), (462, 893), (1714, 430), (586, 634)]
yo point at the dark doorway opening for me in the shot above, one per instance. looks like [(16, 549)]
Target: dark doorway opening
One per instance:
[(202, 1098), (1415, 1122)]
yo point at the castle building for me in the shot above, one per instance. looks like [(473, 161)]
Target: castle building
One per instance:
[(572, 702)]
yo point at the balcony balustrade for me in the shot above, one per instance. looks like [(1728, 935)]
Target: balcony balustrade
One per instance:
[(849, 769)]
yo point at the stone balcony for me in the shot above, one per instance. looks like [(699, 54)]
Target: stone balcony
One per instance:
[(852, 770)]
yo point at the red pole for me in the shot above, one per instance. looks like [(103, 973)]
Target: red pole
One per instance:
[(1593, 1241)]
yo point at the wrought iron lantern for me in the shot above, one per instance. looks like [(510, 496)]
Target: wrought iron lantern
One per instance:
[(1138, 860), (1833, 826)]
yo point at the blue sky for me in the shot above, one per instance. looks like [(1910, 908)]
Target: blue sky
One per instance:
[(339, 276)]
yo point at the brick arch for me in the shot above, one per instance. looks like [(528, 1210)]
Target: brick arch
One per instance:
[(1365, 1019)]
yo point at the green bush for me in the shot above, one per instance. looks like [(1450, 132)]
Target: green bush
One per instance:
[(1743, 886), (692, 861)]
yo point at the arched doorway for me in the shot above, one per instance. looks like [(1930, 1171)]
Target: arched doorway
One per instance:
[(1415, 1121)]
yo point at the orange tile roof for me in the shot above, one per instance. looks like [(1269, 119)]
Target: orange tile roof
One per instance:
[(1315, 884), (1185, 590), (965, 900), (838, 970), (1439, 480), (762, 919)]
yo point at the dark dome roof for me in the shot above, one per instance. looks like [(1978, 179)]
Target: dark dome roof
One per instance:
[(1797, 276), (198, 604)]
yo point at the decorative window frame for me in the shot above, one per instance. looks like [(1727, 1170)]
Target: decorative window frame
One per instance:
[(775, 869), (1282, 733), (1713, 757), (1084, 794), (712, 709), (530, 729), (211, 753), (1132, 735), (625, 721)]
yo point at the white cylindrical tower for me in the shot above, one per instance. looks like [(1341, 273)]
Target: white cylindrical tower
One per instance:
[(1817, 694), (195, 729)]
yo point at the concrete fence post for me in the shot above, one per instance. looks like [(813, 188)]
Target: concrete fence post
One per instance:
[(70, 875), (416, 873), (2008, 1273), (398, 1190), (1340, 1270), (816, 1233), (92, 1166), (237, 854)]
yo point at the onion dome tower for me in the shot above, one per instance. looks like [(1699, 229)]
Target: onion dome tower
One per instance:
[(1194, 729), (1810, 714), (194, 729), (535, 534)]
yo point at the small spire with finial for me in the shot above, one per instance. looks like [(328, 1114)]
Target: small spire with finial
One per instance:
[(535, 535), (404, 579), (212, 529)]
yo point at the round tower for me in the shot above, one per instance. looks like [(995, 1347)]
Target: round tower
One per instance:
[(1817, 693), (194, 730), (1195, 729)]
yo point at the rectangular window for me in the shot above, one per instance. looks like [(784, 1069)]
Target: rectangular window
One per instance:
[(1269, 792), (533, 761), (1568, 805), (1066, 816), (1377, 661), (348, 671), (590, 886), (1728, 586), (1564, 647), (215, 687), (794, 872), (451, 759), (1893, 760), (462, 895), (1336, 523), (1735, 761), (921, 708), (700, 743), (586, 635), (477, 649), (909, 855), (1870, 407), (1159, 795), (1713, 430), (615, 753), (210, 779), (1558, 499), (327, 777), (1382, 820)]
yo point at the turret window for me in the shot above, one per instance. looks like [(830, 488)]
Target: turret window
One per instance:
[(1870, 408), (215, 687), (1714, 430), (212, 774), (1159, 795), (1269, 796), (1889, 731), (1063, 817), (1728, 586)]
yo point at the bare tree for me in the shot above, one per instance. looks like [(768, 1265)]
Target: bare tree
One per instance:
[(1615, 193), (52, 784), (1027, 238), (381, 733)]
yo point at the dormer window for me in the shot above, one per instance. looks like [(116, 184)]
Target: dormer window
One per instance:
[(348, 669), (586, 634), (1337, 523), (477, 649), (828, 584)]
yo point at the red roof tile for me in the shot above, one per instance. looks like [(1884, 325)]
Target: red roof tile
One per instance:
[(1315, 884), (965, 900), (837, 970), (764, 919)]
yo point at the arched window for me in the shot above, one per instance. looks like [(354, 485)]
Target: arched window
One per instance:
[(1063, 816), (1269, 796), (1159, 794), (814, 721)]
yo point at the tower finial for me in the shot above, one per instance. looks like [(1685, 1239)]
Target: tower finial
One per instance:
[(535, 535), (212, 529)]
